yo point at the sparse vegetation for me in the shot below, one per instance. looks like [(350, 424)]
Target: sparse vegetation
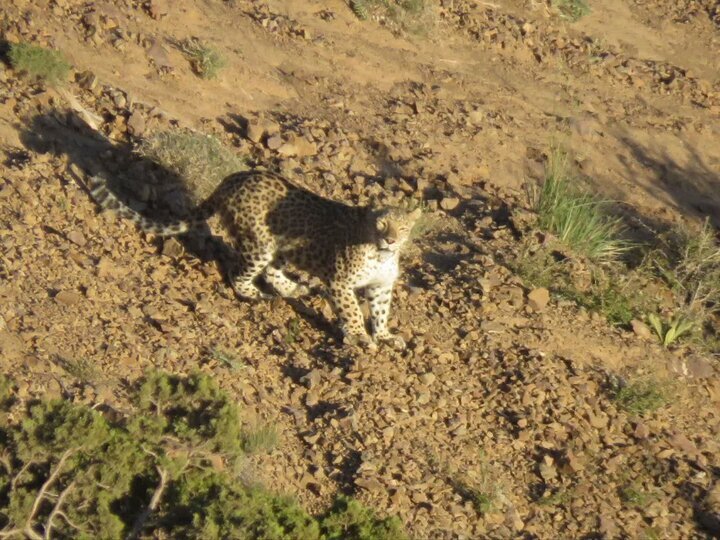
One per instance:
[(577, 218), (45, 64), (200, 159), (481, 489), (670, 332), (688, 261), (642, 396), (259, 439), (171, 468), (205, 61), (560, 498), (226, 358), (412, 16), (634, 495), (572, 9)]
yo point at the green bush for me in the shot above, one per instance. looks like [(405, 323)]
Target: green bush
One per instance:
[(66, 471), (45, 64)]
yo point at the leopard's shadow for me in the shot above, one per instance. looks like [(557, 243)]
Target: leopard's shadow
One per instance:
[(131, 177)]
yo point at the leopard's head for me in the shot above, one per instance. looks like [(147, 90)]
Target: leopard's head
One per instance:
[(393, 226)]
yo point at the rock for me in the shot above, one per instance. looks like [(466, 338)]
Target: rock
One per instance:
[(87, 80), (136, 124), (642, 330), (274, 142), (77, 238), (538, 299), (641, 431), (427, 378), (172, 248), (68, 298), (547, 469), (682, 443), (476, 117), (449, 203), (11, 346), (254, 131), (159, 55)]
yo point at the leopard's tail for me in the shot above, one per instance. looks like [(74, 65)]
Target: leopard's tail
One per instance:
[(107, 200)]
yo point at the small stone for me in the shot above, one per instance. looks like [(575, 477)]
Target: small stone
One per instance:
[(68, 298), (538, 299), (642, 330), (87, 80), (449, 203), (136, 124), (427, 378), (274, 142), (77, 238), (254, 132), (172, 248), (120, 100), (476, 117), (641, 431)]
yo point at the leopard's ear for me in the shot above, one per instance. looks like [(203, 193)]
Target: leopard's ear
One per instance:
[(373, 201)]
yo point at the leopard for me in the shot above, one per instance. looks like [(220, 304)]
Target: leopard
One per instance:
[(275, 226)]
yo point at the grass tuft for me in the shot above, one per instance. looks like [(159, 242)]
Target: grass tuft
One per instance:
[(577, 218), (572, 10), (642, 396), (200, 159), (46, 64), (260, 439), (205, 61)]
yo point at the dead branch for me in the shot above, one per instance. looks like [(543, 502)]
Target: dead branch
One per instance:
[(154, 501), (56, 510)]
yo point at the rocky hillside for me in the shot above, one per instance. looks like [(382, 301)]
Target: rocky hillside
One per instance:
[(518, 410)]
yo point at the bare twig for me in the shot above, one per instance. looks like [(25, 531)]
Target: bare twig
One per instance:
[(56, 511), (11, 532), (15, 479), (154, 501), (51, 479)]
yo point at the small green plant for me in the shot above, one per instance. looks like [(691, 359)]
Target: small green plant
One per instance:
[(670, 332), (259, 439), (641, 397), (576, 218), (81, 368), (227, 359), (205, 61), (560, 498), (200, 159), (293, 331), (482, 490), (634, 495), (45, 64), (688, 262), (412, 16), (572, 9)]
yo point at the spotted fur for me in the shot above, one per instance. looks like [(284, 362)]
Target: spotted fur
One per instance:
[(275, 224)]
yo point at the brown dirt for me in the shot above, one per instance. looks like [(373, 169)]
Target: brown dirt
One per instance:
[(491, 392)]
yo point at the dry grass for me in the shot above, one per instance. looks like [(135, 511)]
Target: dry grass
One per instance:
[(200, 159)]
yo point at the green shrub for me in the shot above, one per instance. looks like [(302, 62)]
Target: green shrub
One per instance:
[(349, 520), (572, 9), (46, 64), (68, 472), (641, 396)]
